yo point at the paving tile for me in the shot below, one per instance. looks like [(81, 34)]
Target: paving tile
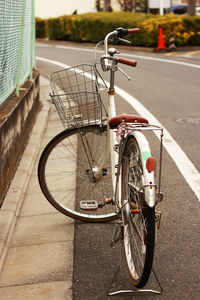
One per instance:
[(33, 185), (42, 229), (20, 179), (37, 264), (6, 221), (27, 161), (54, 124), (60, 290), (44, 142), (13, 200), (36, 204), (2, 245), (51, 132), (39, 259)]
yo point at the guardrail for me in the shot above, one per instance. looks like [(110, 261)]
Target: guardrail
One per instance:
[(17, 45)]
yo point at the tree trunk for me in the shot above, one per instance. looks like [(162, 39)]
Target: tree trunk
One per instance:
[(107, 5), (127, 5), (191, 7)]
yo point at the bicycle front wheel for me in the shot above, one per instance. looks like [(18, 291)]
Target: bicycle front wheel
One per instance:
[(70, 178), (138, 217)]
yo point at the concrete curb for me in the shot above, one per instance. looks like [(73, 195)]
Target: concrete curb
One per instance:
[(120, 47), (15, 195)]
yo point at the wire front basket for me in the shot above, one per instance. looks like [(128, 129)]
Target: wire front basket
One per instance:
[(76, 96)]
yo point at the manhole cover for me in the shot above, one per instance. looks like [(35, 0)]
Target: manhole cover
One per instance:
[(189, 120)]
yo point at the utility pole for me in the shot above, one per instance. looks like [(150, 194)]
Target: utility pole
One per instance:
[(161, 9), (107, 5), (191, 7)]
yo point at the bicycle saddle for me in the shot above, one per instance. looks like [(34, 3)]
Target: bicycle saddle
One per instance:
[(124, 118)]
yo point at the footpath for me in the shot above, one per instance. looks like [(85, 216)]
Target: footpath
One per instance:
[(36, 241)]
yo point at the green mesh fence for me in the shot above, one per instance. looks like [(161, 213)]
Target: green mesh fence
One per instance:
[(17, 44)]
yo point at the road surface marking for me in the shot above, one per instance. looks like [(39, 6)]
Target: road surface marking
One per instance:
[(192, 52), (131, 55)]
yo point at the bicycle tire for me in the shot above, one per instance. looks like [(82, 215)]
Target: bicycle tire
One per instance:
[(66, 169), (138, 217)]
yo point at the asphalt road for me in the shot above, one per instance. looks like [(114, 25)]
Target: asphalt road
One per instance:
[(171, 92)]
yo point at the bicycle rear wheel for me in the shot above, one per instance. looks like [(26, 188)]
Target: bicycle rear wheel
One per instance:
[(69, 177), (138, 217)]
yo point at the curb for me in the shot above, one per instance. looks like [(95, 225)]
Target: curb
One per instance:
[(15, 195), (122, 47)]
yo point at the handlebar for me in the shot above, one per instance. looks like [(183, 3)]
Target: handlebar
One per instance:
[(117, 34), (110, 54), (128, 62), (122, 32)]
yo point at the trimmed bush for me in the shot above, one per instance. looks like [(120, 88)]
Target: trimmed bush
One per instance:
[(54, 29), (176, 24), (40, 28), (193, 26), (92, 27)]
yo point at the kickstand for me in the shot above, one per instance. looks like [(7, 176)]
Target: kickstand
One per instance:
[(152, 291)]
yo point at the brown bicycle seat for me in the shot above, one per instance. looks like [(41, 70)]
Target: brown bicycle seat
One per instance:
[(124, 118)]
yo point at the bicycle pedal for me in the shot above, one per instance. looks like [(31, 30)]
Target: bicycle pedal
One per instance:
[(88, 204)]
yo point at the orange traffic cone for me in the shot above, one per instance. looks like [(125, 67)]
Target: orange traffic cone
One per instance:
[(161, 43)]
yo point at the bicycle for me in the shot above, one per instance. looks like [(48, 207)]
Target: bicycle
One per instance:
[(100, 168)]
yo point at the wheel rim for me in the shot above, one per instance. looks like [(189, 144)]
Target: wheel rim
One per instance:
[(68, 173), (135, 247)]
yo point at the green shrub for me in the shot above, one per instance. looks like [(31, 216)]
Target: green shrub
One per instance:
[(54, 29), (40, 28), (176, 24), (193, 29), (92, 27)]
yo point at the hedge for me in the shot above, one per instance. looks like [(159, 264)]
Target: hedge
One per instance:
[(40, 28), (92, 27)]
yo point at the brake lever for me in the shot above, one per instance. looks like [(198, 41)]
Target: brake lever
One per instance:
[(124, 41), (116, 40), (128, 77)]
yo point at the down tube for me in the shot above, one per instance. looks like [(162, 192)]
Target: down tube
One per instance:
[(113, 141)]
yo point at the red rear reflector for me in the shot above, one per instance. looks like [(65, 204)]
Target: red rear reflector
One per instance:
[(150, 164)]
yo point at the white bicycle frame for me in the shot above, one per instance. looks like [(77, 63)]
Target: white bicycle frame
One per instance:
[(148, 177)]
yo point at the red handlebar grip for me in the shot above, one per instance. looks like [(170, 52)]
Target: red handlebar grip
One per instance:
[(128, 62), (134, 30)]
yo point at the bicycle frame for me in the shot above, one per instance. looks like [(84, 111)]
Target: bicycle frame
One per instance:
[(149, 186)]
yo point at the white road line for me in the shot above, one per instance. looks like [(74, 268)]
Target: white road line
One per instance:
[(43, 45), (185, 166), (181, 63)]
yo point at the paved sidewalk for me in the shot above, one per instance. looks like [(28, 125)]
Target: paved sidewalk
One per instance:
[(36, 241)]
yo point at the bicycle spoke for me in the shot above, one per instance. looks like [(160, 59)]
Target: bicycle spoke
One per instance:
[(139, 225), (69, 173)]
